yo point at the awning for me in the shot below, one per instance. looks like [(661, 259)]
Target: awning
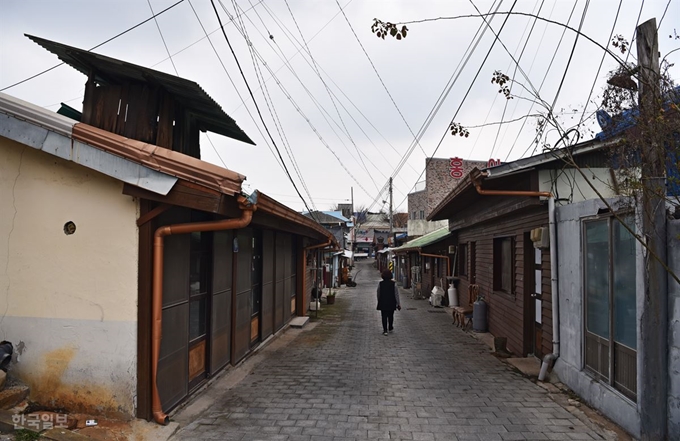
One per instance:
[(428, 239)]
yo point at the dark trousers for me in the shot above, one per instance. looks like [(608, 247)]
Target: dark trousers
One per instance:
[(387, 318)]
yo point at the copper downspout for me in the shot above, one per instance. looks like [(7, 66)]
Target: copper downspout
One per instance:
[(304, 302), (157, 294)]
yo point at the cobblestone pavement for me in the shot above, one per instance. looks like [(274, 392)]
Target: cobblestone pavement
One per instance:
[(343, 380)]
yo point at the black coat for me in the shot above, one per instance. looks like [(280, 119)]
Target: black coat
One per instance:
[(387, 301)]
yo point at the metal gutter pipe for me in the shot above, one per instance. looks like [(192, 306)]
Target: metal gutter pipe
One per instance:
[(248, 206), (438, 256), (554, 288)]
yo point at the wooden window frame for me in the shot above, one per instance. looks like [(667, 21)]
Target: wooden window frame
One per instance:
[(463, 259), (499, 262)]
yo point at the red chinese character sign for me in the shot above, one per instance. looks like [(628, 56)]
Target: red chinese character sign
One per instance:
[(456, 168)]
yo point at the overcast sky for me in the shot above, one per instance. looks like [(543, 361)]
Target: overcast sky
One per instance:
[(353, 128)]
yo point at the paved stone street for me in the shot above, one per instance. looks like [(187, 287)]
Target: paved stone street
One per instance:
[(341, 379)]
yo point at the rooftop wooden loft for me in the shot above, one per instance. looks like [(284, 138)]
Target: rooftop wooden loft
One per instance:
[(145, 104)]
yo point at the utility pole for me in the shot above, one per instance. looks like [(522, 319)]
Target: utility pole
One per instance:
[(354, 228), (388, 241), (653, 341)]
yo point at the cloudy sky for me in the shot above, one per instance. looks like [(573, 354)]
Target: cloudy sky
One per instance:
[(343, 106)]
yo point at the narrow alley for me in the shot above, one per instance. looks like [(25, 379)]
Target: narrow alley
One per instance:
[(341, 379)]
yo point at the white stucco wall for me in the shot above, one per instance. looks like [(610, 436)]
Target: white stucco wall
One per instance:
[(570, 365), (570, 184), (68, 303)]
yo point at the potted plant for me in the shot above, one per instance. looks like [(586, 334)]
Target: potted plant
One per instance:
[(330, 298)]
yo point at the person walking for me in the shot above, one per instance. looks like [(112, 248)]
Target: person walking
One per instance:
[(388, 300)]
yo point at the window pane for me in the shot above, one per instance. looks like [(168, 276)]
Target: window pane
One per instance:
[(506, 265), (625, 325), (463, 262), (197, 318), (597, 277)]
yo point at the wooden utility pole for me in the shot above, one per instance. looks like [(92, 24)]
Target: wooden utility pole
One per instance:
[(391, 238), (653, 340)]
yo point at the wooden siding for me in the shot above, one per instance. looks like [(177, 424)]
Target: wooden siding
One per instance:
[(506, 310)]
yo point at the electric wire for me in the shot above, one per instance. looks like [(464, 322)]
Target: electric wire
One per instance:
[(564, 75), (163, 38), (316, 69), (296, 43), (599, 68), (637, 22), (545, 76), (309, 122), (219, 19), (323, 112), (270, 105), (94, 47), (481, 66), (379, 77), (472, 47), (505, 106), (662, 16), (234, 85)]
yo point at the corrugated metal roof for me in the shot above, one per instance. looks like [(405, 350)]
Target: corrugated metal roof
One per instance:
[(113, 71), (425, 240)]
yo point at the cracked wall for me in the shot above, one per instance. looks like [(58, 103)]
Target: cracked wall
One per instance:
[(70, 300)]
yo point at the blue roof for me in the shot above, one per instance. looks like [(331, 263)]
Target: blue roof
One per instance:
[(337, 214)]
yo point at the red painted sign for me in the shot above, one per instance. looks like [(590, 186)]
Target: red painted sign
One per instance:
[(493, 163), (456, 168)]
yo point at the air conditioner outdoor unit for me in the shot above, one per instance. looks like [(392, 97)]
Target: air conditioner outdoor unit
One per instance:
[(452, 249)]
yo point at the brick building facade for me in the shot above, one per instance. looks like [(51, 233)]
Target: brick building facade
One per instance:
[(441, 176)]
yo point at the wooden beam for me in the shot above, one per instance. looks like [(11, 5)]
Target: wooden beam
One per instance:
[(152, 214)]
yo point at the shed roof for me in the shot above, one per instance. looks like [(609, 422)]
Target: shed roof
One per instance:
[(112, 71), (423, 241)]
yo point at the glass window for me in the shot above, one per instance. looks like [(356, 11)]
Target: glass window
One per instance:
[(504, 264), (610, 302), (597, 277), (197, 322), (463, 259)]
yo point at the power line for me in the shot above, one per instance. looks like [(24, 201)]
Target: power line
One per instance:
[(488, 53), (95, 47), (547, 71), (219, 19), (309, 122), (163, 38), (294, 41), (514, 74), (322, 110), (232, 82), (270, 103), (472, 47), (604, 54), (378, 75), (309, 52)]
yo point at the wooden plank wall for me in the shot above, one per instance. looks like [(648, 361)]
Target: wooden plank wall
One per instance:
[(506, 311)]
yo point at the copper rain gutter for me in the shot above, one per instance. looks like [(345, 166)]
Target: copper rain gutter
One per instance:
[(304, 272), (248, 206), (550, 358), (439, 256)]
